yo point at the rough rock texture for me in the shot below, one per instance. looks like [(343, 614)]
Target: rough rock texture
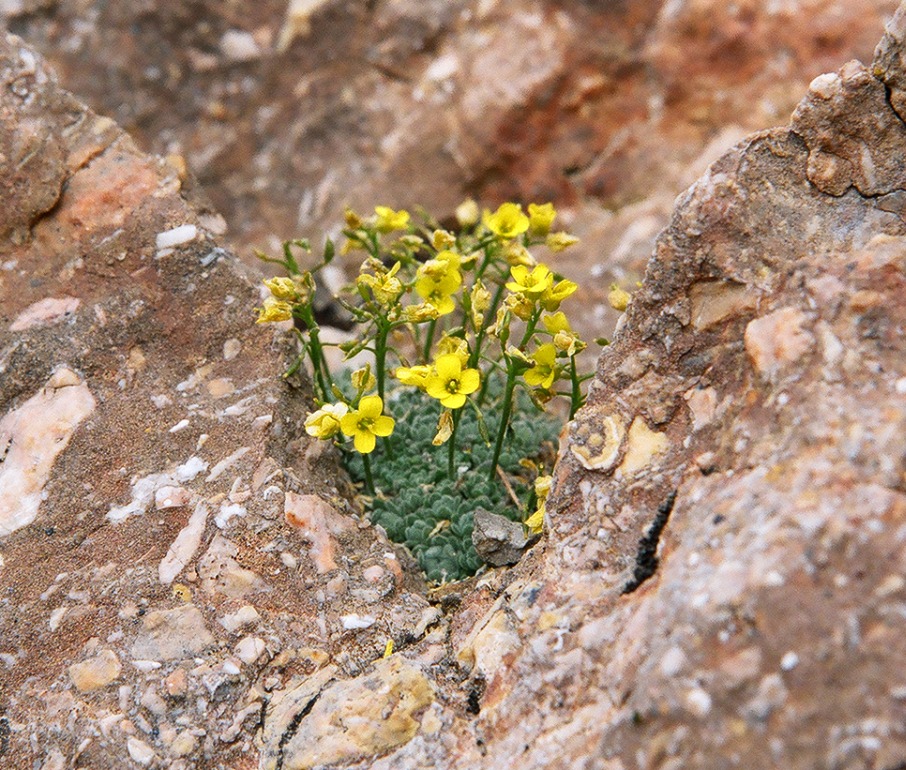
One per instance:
[(163, 518), (721, 583), (286, 111)]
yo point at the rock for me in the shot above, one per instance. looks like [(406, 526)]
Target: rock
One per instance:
[(172, 634), (498, 540), (345, 721), (99, 671)]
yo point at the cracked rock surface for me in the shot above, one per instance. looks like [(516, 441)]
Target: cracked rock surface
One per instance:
[(721, 582)]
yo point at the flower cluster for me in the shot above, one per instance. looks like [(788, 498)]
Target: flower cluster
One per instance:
[(467, 317)]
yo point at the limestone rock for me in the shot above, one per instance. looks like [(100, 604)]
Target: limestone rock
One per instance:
[(344, 721), (498, 540), (172, 634), (99, 671)]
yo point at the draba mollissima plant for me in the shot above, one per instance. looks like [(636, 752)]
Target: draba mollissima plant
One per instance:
[(468, 347)]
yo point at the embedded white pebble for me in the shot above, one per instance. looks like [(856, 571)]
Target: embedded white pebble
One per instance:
[(31, 437), (181, 425), (184, 546), (146, 665), (239, 46), (289, 560), (227, 512), (140, 751), (143, 490), (900, 386), (190, 469), (673, 661), (161, 401), (249, 649), (171, 497), (698, 701), (231, 349), (242, 617), (226, 462), (231, 667), (56, 617), (356, 622), (789, 661), (176, 236)]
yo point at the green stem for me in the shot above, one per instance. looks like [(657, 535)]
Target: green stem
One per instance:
[(429, 341), (504, 417), (380, 357), (576, 394), (451, 447), (480, 333), (369, 480)]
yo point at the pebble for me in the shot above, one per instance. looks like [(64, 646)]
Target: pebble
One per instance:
[(243, 616), (249, 649), (176, 236), (239, 46), (140, 751), (96, 672), (789, 661)]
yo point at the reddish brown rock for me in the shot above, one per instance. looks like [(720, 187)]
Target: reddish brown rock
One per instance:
[(721, 579)]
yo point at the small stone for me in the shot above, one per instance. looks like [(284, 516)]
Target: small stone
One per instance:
[(96, 672), (498, 540), (176, 236), (140, 751), (242, 617), (172, 634), (357, 622), (239, 46), (789, 661), (176, 683), (183, 744), (250, 649), (231, 349), (698, 702)]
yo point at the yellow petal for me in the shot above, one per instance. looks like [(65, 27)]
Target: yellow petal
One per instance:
[(454, 400), (448, 367), (469, 381), (364, 442), (371, 406), (383, 426)]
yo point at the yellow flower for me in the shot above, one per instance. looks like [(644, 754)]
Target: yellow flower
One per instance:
[(507, 222), (437, 280), (444, 428), (282, 288), (353, 220), (467, 213), (531, 285), (544, 367), (385, 286), (274, 310), (541, 218), (457, 346), (366, 423), (543, 486), (618, 298), (417, 314), (387, 220), (519, 306), (516, 254), (450, 383), (560, 241), (363, 379), (417, 376), (480, 300), (535, 522), (553, 296), (325, 423), (441, 239)]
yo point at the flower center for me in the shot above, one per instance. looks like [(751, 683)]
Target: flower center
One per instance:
[(453, 386)]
